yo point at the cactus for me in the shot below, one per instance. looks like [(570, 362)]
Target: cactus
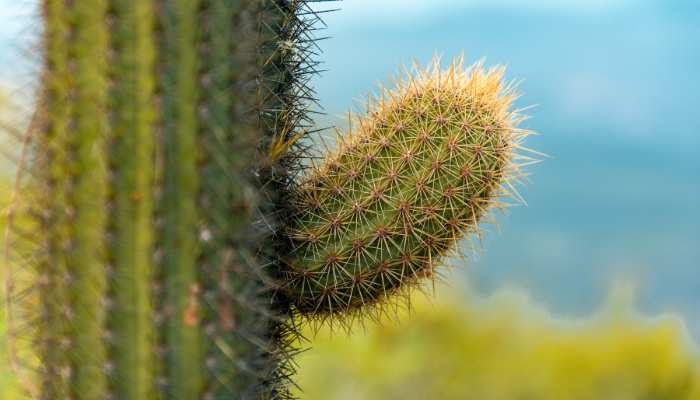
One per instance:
[(410, 180), (142, 195), (71, 273), (177, 234)]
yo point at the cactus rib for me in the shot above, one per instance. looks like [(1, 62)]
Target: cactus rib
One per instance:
[(235, 314), (52, 267), (88, 192), (181, 336), (132, 164)]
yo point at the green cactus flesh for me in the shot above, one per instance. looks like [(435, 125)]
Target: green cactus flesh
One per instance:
[(180, 185), (133, 112), (401, 189), (52, 270), (83, 177), (143, 199)]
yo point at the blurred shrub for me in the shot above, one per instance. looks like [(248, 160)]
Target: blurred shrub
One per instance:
[(504, 348), (7, 387), (7, 384)]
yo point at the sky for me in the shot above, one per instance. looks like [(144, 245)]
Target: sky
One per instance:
[(616, 94), (16, 22)]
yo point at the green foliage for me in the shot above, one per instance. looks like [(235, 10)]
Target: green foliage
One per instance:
[(503, 348)]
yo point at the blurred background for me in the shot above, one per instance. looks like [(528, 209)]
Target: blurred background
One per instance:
[(616, 91), (616, 94), (617, 99)]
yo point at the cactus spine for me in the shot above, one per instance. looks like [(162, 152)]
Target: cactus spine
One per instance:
[(178, 238)]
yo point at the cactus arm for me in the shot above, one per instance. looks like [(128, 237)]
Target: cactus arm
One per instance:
[(181, 335), (133, 111), (415, 176), (88, 193)]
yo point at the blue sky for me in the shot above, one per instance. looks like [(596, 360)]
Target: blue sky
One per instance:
[(15, 17), (617, 95)]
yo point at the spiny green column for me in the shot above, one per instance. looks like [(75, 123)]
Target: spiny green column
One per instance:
[(88, 197), (181, 334), (132, 162), (410, 180), (279, 65), (232, 311), (52, 265), (148, 156)]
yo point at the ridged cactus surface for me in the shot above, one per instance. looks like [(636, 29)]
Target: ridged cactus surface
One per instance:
[(72, 268), (405, 184), (129, 327), (141, 199)]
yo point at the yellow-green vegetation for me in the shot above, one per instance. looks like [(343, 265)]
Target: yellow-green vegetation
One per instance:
[(7, 116), (7, 384), (504, 348)]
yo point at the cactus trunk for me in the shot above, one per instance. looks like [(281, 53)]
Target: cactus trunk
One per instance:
[(150, 284)]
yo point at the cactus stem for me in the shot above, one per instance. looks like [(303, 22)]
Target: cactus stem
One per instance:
[(178, 208), (132, 166)]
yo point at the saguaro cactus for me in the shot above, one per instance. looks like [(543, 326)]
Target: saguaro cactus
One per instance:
[(176, 234), (142, 194)]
